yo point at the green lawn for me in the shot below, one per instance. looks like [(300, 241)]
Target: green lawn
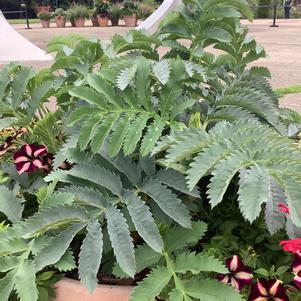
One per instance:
[(23, 21), (288, 90)]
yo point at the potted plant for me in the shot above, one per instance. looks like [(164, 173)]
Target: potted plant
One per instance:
[(60, 17), (129, 13), (102, 11), (144, 10), (134, 183), (77, 15), (93, 17), (45, 18), (43, 6), (115, 13)]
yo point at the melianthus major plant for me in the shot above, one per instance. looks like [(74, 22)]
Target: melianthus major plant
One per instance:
[(141, 152)]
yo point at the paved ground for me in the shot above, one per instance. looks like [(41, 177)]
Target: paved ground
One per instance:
[(282, 44)]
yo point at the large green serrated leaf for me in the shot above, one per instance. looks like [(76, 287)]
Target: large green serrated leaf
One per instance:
[(10, 205), (178, 238), (143, 220), (152, 136), (197, 263), (90, 256), (253, 192), (8, 263), (167, 201), (121, 240), (211, 290), (98, 175), (6, 286), (25, 281), (134, 133), (162, 71), (60, 216), (90, 96), (175, 295), (51, 253), (152, 285)]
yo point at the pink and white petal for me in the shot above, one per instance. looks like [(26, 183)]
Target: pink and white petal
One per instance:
[(261, 287), (236, 284), (21, 159), (23, 167), (297, 279), (223, 278), (244, 277), (296, 264), (274, 286), (40, 151), (37, 163), (28, 150)]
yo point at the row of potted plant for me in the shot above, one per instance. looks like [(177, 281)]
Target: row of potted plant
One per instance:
[(100, 15)]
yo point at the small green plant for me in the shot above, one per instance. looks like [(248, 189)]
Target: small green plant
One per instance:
[(115, 11), (45, 16), (59, 12), (77, 11), (102, 8), (129, 8)]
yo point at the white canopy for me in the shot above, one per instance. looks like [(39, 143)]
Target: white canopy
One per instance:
[(152, 22), (14, 47)]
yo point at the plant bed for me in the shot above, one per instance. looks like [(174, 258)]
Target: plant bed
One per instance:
[(68, 289)]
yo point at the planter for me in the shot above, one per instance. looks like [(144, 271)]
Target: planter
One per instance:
[(94, 21), (79, 22), (72, 290), (103, 20), (72, 23), (60, 21), (43, 8), (130, 21), (45, 23), (114, 21)]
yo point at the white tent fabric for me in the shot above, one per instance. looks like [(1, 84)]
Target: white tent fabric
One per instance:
[(152, 22), (14, 47)]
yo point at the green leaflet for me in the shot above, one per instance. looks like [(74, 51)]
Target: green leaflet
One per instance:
[(143, 220), (25, 281), (90, 255), (6, 286), (125, 77), (8, 263), (121, 240), (117, 138), (175, 295), (152, 135), (151, 286), (51, 253), (211, 290), (162, 71), (90, 96), (167, 201), (134, 133), (197, 263), (66, 263), (98, 175), (10, 205), (253, 192), (61, 215), (178, 238)]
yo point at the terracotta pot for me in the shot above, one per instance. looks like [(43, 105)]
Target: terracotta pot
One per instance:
[(72, 290), (114, 21), (130, 21), (79, 22), (60, 21), (94, 21), (103, 20), (45, 23), (43, 8)]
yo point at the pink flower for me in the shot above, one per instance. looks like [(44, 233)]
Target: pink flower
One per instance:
[(239, 275), (283, 208), (268, 290), (292, 246), (32, 157), (296, 266)]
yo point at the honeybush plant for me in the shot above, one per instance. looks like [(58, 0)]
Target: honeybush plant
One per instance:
[(121, 177)]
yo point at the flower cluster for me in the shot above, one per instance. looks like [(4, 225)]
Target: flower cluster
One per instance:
[(32, 157), (240, 276)]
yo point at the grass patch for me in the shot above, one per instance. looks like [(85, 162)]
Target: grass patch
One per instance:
[(288, 90), (23, 21)]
